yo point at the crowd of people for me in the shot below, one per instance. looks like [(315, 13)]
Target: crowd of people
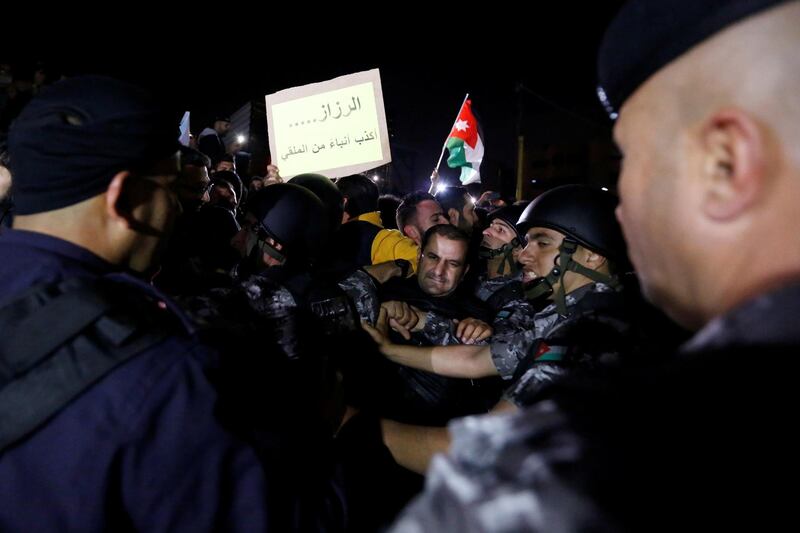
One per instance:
[(186, 350)]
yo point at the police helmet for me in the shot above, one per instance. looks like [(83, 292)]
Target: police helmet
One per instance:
[(582, 213), (293, 216), (327, 192), (508, 214)]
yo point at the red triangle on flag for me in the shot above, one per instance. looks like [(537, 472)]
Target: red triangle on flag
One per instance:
[(466, 127)]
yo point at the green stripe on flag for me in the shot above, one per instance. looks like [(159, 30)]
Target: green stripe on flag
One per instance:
[(457, 157)]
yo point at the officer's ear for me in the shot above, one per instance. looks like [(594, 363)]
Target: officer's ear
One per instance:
[(595, 261), (591, 260), (345, 215), (732, 146), (124, 194), (118, 201)]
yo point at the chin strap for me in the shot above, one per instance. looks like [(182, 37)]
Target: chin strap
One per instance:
[(544, 286), (272, 252), (507, 251), (257, 244)]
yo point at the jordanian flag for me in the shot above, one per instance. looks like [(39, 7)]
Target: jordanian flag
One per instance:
[(465, 145)]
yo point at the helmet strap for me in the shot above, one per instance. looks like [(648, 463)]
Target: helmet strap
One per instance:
[(507, 251), (272, 252), (257, 243), (565, 252)]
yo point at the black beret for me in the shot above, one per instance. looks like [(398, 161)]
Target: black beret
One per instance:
[(648, 34), (69, 142)]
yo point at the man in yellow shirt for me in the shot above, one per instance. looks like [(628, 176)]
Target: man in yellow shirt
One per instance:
[(362, 239)]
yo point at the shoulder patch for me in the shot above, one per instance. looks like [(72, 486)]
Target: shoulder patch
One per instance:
[(503, 314)]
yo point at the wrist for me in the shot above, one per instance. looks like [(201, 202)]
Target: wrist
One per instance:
[(404, 267), (422, 319)]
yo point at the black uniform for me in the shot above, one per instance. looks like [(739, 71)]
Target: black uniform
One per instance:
[(112, 457)]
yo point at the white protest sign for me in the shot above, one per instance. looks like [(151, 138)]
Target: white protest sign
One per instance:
[(334, 128)]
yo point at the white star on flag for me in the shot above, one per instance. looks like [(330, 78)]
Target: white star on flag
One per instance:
[(462, 125)]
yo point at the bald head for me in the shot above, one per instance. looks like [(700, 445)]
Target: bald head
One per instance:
[(752, 65), (710, 174)]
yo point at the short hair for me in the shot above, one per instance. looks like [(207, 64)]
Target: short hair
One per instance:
[(195, 158), (361, 193), (233, 179), (407, 209), (387, 205), (223, 184), (448, 231), (453, 197), (228, 158)]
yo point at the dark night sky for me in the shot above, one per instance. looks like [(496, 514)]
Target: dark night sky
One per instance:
[(426, 68)]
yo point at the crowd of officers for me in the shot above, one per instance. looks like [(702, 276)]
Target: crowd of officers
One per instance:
[(340, 349), (184, 351)]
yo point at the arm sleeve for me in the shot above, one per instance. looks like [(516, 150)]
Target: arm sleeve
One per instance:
[(390, 244)]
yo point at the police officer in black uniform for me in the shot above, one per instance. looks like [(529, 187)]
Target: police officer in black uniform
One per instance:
[(109, 419)]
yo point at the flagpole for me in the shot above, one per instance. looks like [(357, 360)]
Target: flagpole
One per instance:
[(444, 146)]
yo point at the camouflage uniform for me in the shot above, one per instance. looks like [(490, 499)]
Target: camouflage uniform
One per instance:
[(489, 290), (438, 331), (266, 297), (484, 475), (277, 308), (360, 288), (263, 295), (518, 328), (257, 308), (485, 484)]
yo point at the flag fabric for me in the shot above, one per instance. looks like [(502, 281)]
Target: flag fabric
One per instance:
[(465, 145)]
